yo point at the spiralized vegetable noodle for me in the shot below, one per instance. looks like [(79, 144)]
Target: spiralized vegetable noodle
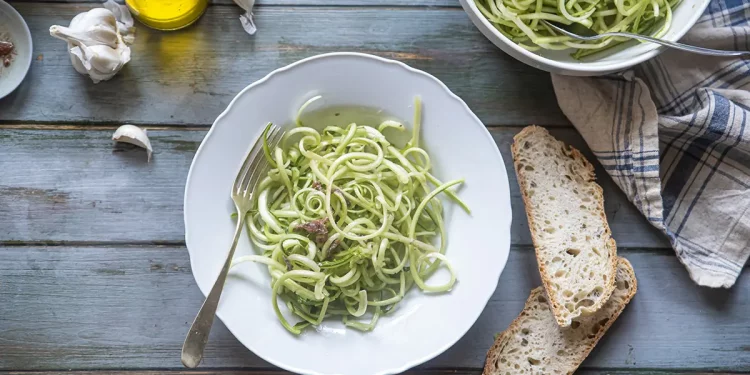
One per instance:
[(347, 223), (519, 20)]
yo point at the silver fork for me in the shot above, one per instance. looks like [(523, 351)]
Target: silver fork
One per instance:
[(247, 178), (675, 45)]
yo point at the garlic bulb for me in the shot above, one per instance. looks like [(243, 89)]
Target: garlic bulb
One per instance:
[(98, 40), (135, 136)]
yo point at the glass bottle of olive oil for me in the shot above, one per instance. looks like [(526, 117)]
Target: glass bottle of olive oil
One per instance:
[(167, 14)]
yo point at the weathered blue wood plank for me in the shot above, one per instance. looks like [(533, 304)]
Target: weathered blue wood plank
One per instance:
[(279, 372), (129, 308), (70, 185), (261, 3), (354, 3), (188, 77)]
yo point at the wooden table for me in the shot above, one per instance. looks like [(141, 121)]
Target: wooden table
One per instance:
[(94, 274)]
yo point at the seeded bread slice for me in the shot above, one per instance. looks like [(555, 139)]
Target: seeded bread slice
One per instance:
[(565, 208), (535, 345)]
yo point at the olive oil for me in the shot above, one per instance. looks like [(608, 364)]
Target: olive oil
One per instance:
[(167, 14)]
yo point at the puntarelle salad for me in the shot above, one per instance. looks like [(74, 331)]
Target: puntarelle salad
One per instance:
[(519, 21), (347, 222)]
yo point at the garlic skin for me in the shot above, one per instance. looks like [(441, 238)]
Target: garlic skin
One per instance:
[(124, 20), (98, 40), (247, 19), (135, 136)]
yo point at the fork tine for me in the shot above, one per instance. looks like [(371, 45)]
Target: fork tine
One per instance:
[(251, 156), (259, 165), (258, 169)]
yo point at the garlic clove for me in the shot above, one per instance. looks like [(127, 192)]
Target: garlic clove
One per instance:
[(248, 24), (77, 59), (104, 34), (103, 59), (74, 51), (124, 20), (77, 20), (99, 25), (78, 37), (121, 12), (247, 18), (99, 62), (83, 30), (133, 135), (94, 17)]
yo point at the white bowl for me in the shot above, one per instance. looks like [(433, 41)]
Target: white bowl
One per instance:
[(422, 325), (12, 24), (632, 53)]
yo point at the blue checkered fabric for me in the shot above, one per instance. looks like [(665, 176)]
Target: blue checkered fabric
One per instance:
[(672, 134)]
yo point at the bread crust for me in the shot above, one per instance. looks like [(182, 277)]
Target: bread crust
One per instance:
[(504, 338), (575, 154)]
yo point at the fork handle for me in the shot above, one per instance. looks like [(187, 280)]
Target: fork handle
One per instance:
[(680, 46), (195, 342)]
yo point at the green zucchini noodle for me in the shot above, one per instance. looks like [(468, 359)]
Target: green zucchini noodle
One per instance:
[(518, 20), (348, 222)]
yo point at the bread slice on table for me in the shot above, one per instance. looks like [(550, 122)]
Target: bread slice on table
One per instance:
[(574, 247), (535, 345)]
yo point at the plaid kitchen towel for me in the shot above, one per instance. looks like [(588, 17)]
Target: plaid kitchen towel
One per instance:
[(674, 135)]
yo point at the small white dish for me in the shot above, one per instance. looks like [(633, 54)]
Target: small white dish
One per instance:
[(422, 325), (14, 27), (685, 15)]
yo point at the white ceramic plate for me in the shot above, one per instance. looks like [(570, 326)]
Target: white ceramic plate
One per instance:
[(422, 326), (13, 26), (685, 15)]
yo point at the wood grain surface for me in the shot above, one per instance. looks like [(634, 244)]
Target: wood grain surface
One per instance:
[(278, 372), (94, 275), (329, 3), (72, 185), (130, 307), (188, 77)]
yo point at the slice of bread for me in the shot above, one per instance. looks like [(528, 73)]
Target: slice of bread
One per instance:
[(574, 247), (535, 345)]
